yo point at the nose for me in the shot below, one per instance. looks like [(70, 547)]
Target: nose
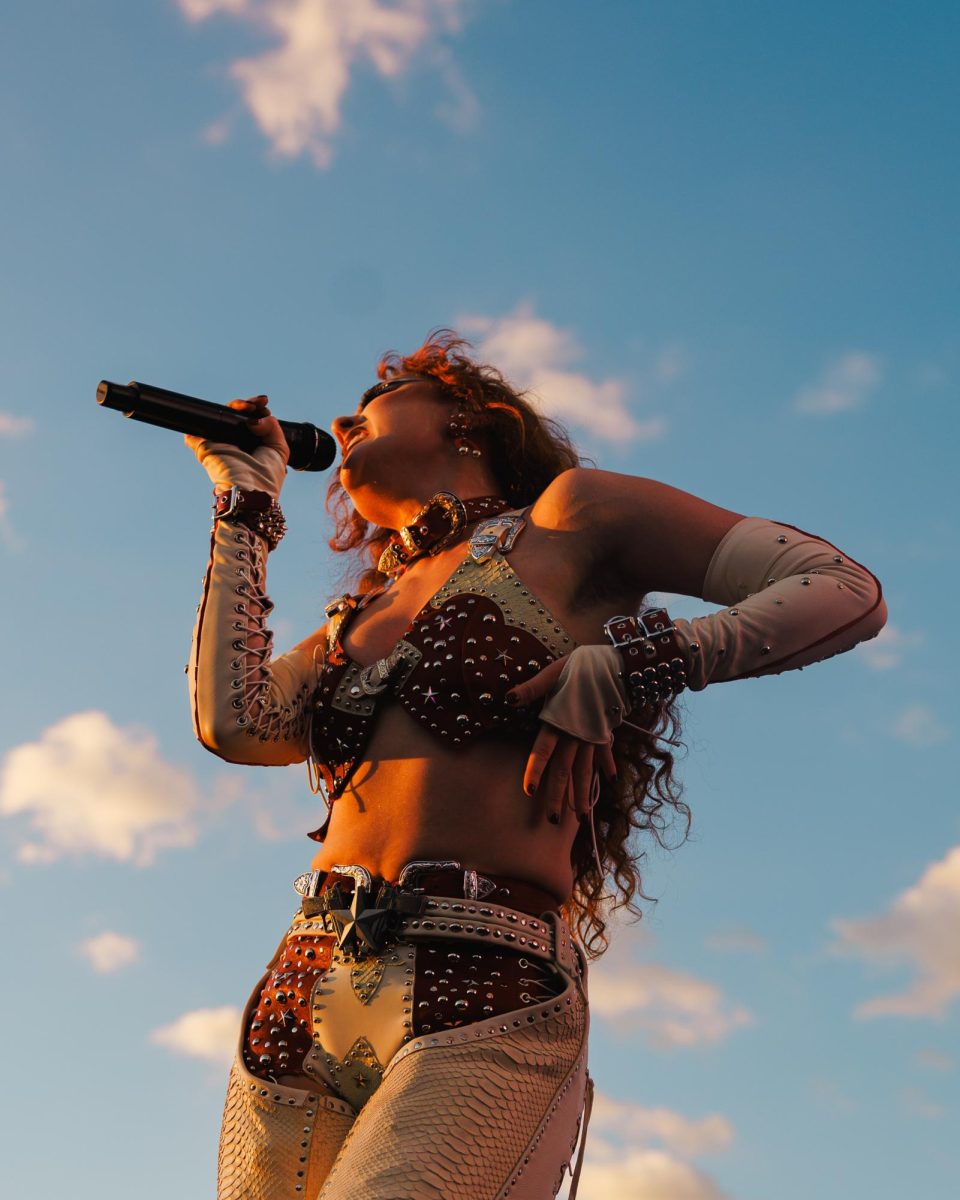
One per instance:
[(341, 426)]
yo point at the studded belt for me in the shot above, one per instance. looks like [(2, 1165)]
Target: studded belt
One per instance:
[(377, 914)]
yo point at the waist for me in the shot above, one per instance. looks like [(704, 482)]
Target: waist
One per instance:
[(448, 879)]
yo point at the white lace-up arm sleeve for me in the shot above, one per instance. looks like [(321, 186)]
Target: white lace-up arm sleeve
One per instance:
[(793, 599), (247, 707)]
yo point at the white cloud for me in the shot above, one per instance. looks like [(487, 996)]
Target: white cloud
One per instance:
[(635, 1124), (108, 951), (845, 384), (934, 1060), (208, 1033), (920, 929), (14, 426), (672, 1008), (537, 355), (918, 725), (90, 787), (295, 90), (887, 649), (644, 1175)]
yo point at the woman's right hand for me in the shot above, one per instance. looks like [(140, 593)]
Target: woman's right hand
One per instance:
[(263, 470)]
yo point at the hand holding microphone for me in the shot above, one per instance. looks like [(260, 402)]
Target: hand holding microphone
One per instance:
[(261, 469), (308, 447)]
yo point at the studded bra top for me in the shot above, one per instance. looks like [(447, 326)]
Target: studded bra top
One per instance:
[(474, 639)]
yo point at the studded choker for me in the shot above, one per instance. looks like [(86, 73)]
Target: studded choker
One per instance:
[(437, 525)]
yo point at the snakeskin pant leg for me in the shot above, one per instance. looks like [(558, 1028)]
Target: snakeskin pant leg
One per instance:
[(481, 1098), (486, 1111)]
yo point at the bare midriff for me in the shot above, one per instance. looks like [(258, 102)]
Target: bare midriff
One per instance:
[(414, 799)]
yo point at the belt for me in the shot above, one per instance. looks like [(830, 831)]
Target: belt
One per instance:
[(374, 913)]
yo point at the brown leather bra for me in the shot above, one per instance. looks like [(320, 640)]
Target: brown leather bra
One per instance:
[(478, 636)]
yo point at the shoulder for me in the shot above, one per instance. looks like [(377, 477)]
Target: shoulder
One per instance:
[(659, 536), (589, 498), (575, 494)]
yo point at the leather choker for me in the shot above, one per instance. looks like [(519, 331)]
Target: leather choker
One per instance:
[(437, 525)]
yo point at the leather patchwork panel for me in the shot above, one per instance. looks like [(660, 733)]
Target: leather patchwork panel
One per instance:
[(468, 1118)]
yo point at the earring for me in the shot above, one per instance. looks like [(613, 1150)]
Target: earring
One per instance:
[(458, 428)]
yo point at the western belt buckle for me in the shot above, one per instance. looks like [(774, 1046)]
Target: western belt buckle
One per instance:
[(365, 923), (475, 885), (306, 884)]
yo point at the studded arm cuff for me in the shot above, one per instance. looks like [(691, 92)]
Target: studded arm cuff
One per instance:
[(793, 599), (246, 706), (652, 660), (259, 511)]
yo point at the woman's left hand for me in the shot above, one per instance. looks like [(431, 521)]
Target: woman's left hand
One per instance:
[(561, 768)]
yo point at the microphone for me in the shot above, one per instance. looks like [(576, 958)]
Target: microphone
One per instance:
[(311, 449)]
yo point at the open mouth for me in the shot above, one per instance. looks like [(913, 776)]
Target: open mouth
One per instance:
[(349, 445)]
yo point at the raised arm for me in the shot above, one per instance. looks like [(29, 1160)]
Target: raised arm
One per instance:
[(247, 706), (792, 599)]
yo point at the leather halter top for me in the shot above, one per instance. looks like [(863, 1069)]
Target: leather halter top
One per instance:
[(480, 634)]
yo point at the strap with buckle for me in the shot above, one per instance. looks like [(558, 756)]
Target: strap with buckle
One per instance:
[(259, 511), (653, 665)]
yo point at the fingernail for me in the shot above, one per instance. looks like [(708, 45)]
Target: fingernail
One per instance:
[(512, 698), (554, 818)]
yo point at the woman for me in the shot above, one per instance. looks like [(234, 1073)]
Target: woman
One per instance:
[(421, 1030)]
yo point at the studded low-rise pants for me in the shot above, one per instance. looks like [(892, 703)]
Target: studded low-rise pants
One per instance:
[(412, 1090)]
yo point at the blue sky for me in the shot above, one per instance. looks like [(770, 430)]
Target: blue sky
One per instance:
[(721, 242)]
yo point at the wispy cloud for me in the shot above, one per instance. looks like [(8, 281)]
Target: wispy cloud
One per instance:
[(918, 1105), (537, 355), (934, 1060), (650, 1174), (7, 533), (672, 362), (207, 1033), (887, 649), (671, 1130), (109, 951), (90, 787), (920, 929), (13, 426), (918, 725), (832, 1096), (929, 375), (845, 383), (736, 941), (295, 90), (671, 1008)]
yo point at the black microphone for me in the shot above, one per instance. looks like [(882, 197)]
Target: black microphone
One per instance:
[(311, 449)]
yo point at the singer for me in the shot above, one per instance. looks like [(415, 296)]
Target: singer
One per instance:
[(490, 716)]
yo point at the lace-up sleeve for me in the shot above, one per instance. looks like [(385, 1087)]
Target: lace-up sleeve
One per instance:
[(246, 707)]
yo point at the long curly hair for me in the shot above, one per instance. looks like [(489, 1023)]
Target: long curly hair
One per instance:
[(526, 452)]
